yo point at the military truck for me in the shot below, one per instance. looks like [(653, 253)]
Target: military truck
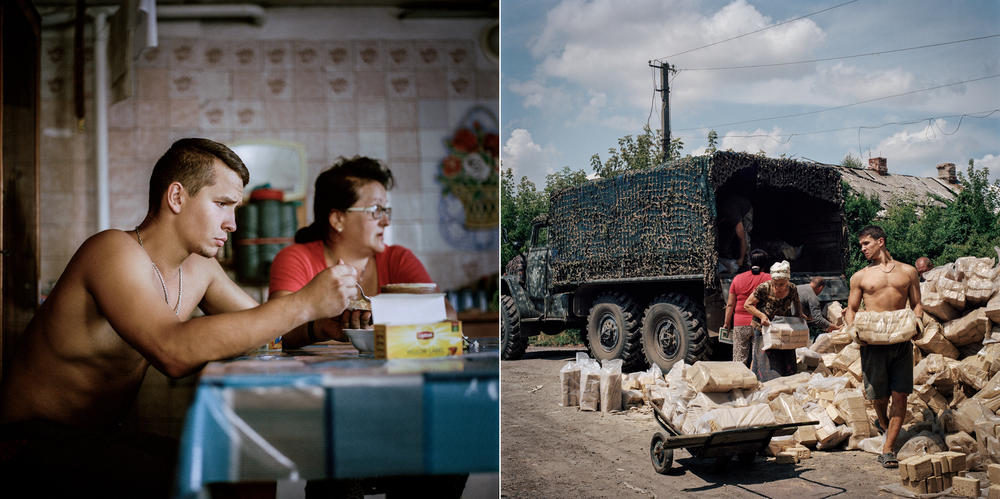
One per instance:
[(633, 260)]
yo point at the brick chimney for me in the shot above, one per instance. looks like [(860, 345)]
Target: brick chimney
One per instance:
[(946, 172), (878, 164)]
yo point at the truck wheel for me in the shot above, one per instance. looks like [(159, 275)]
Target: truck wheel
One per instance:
[(673, 329), (513, 341), (613, 331)]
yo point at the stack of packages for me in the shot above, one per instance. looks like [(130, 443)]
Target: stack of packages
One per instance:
[(932, 473), (957, 360), (956, 381), (591, 386)]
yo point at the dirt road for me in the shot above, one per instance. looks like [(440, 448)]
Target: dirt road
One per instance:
[(553, 451)]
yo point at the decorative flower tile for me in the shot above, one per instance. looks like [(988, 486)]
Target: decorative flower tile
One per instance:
[(368, 55), (401, 85)]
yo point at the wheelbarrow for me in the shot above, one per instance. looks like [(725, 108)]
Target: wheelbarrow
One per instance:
[(744, 443)]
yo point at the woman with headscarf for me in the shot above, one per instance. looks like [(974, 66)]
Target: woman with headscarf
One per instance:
[(770, 299), (738, 320)]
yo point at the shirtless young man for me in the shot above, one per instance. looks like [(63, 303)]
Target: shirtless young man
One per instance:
[(885, 285), (125, 300)]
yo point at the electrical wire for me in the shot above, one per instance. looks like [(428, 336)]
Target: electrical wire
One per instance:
[(985, 114), (758, 31), (793, 115), (882, 52)]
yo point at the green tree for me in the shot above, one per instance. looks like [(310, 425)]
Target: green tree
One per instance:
[(641, 152), (859, 211), (562, 179), (520, 203), (968, 225), (851, 161), (713, 142)]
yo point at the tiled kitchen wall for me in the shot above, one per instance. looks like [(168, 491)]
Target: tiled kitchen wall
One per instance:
[(390, 89)]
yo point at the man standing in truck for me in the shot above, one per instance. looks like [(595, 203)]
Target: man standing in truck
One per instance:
[(735, 223), (885, 285)]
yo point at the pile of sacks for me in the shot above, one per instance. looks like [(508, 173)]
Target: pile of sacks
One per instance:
[(956, 381)]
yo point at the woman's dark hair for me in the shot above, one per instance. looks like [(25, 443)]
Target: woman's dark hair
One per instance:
[(758, 260), (337, 189)]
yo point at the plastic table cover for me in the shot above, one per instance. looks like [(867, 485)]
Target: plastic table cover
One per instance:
[(324, 412)]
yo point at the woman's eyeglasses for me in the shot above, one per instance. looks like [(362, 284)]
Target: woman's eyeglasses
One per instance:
[(377, 211)]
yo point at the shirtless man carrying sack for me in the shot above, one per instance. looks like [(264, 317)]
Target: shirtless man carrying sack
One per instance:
[(884, 330)]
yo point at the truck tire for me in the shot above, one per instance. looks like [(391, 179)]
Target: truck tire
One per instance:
[(673, 329), (613, 331), (513, 341)]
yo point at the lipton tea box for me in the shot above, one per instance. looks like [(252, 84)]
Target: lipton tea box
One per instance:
[(410, 341)]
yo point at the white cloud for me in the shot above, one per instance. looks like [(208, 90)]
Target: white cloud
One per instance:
[(991, 161), (525, 157), (604, 47), (770, 141), (918, 149)]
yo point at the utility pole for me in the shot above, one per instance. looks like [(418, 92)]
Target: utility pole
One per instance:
[(665, 69)]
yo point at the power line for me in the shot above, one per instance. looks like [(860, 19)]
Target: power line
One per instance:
[(985, 114), (793, 115), (720, 68), (758, 31)]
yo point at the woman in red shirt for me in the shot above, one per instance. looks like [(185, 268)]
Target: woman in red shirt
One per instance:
[(737, 319), (350, 214)]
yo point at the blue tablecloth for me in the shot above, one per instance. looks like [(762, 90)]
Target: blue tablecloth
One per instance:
[(325, 412)]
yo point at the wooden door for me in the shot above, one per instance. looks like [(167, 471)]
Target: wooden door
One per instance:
[(20, 63)]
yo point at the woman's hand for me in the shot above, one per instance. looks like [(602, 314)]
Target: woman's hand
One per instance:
[(764, 321), (356, 319)]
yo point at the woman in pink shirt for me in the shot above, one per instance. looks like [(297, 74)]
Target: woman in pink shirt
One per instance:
[(737, 319), (351, 212)]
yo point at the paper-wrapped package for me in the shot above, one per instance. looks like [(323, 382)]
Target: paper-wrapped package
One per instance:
[(569, 381), (823, 344), (787, 410), (835, 313), (971, 265), (978, 290), (709, 376), (933, 340), (847, 356), (970, 411), (993, 309), (935, 305), (590, 386), (696, 408), (631, 398), (974, 371), (952, 291), (611, 385), (785, 333), (934, 399), (886, 328), (970, 328), (785, 384), (728, 418)]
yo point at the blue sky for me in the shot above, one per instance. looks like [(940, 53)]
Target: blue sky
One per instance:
[(575, 77)]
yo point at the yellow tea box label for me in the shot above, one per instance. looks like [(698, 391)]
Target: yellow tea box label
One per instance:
[(410, 341)]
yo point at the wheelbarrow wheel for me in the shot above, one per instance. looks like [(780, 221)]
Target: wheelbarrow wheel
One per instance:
[(662, 458)]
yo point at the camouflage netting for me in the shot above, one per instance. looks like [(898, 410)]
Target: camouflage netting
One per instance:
[(660, 222), (819, 181)]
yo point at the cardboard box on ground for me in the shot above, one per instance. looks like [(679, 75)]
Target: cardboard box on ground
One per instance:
[(956, 386)]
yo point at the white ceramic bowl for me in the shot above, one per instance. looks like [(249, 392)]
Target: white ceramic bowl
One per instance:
[(362, 339)]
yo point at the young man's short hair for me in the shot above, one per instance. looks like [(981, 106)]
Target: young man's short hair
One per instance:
[(189, 161), (872, 231)]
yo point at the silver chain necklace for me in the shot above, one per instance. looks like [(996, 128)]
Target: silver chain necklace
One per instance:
[(180, 278)]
